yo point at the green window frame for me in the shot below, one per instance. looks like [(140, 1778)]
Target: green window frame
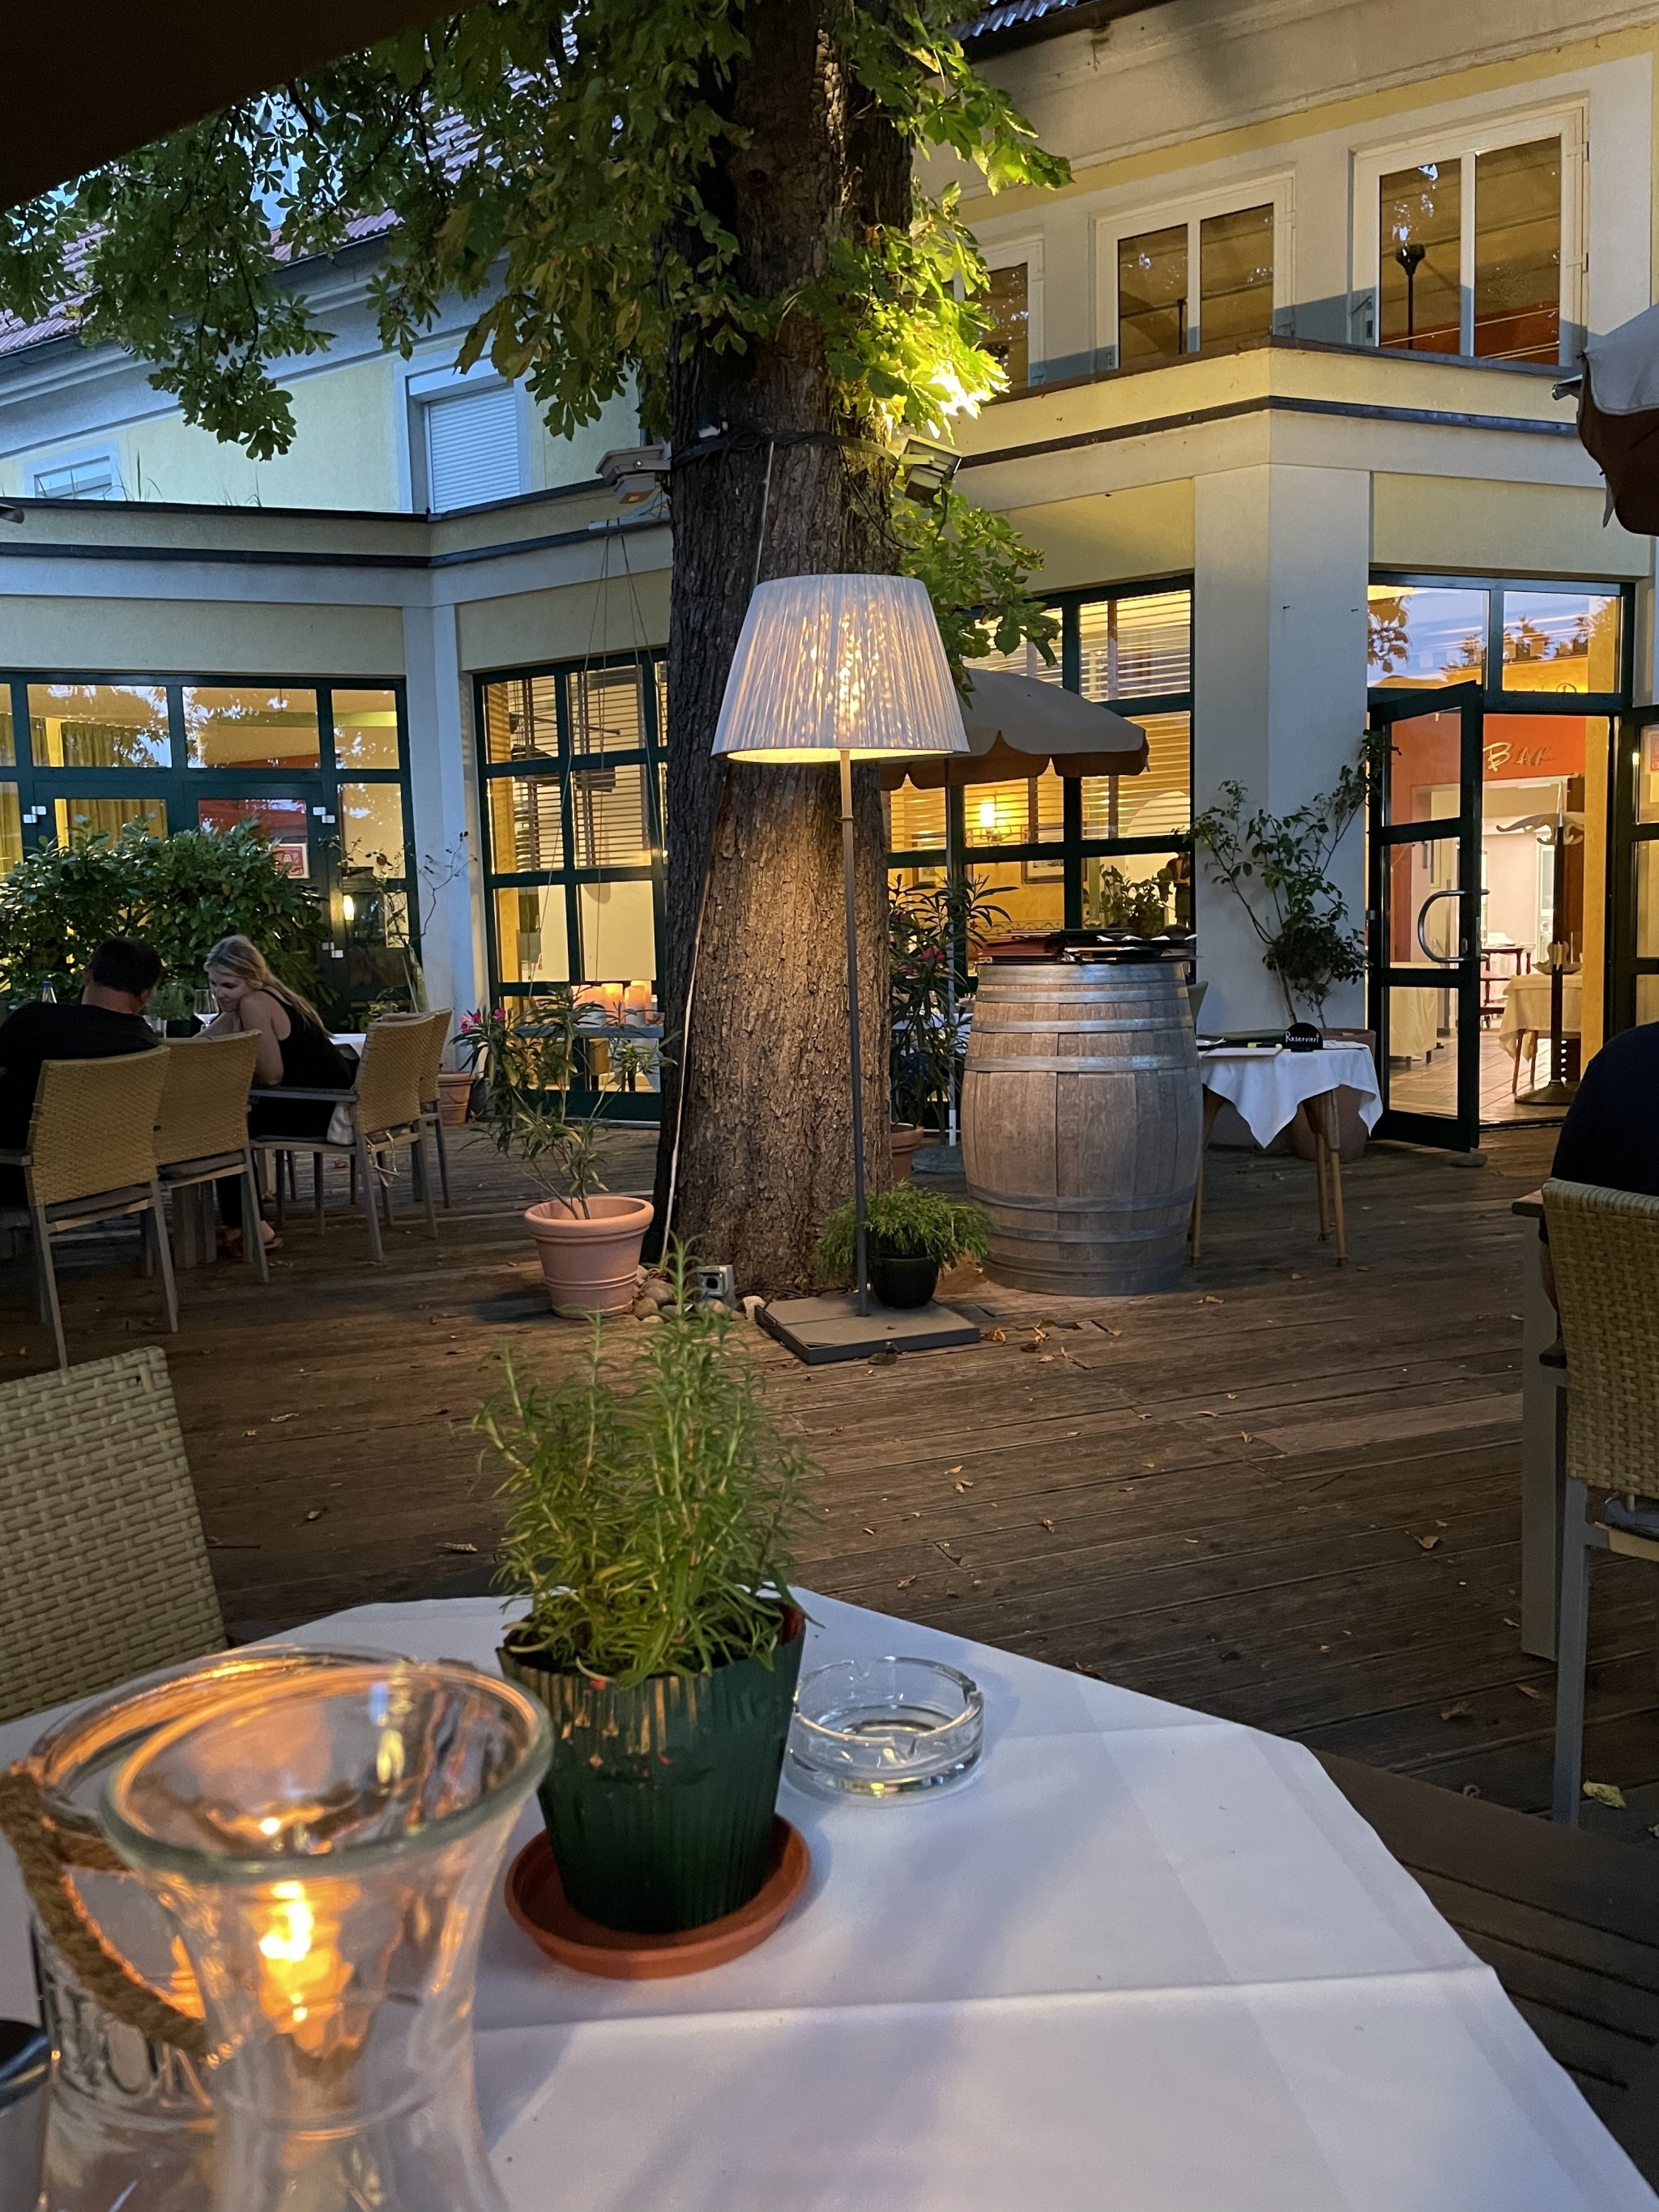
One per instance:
[(1072, 850), (584, 806), (351, 973)]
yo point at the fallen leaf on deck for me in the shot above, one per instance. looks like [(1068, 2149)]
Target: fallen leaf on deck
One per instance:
[(1245, 1438), (1046, 1524), (867, 1529), (956, 1469), (1295, 1278), (458, 1548), (1210, 1298), (315, 1514), (887, 1358), (1114, 1332), (1072, 1433), (905, 1581), (961, 1486), (1425, 1543), (250, 1432), (1606, 1793), (1207, 1416), (1471, 1789), (1508, 1623), (285, 1417), (1528, 1690), (995, 1335), (1442, 1524), (1456, 1712)]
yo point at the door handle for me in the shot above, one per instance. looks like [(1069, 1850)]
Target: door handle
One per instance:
[(1440, 959)]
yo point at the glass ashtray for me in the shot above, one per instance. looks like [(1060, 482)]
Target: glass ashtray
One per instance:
[(886, 1728)]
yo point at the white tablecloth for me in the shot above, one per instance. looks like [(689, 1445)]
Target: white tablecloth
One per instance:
[(1145, 1961), (1527, 1009), (1267, 1087)]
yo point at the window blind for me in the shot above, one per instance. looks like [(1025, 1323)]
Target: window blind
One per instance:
[(472, 448)]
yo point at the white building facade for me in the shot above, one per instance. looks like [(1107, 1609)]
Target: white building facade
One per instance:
[(1282, 423)]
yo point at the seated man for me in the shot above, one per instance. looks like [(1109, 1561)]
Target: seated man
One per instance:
[(109, 1020), (1611, 1134)]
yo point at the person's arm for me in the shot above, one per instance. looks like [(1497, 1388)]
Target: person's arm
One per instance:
[(267, 1018), (1578, 1148)]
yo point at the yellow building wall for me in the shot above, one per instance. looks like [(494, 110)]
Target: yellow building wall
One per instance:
[(530, 628), (1504, 529), (202, 638), (341, 455), (1110, 537)]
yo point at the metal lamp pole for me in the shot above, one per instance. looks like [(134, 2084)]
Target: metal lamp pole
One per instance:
[(860, 1275)]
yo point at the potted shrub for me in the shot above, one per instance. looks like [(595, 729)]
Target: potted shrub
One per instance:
[(589, 1244), (524, 1069), (650, 1523), (911, 1234), (930, 929)]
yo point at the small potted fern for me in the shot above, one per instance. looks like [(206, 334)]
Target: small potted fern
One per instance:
[(649, 1522), (910, 1234)]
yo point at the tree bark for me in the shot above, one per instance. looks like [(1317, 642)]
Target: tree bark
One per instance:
[(756, 1136)]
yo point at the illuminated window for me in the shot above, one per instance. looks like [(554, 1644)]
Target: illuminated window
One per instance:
[(1475, 246), (1226, 259)]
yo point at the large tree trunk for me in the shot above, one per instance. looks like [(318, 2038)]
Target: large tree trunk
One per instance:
[(757, 1103)]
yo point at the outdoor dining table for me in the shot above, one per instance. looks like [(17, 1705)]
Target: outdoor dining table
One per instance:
[(1143, 1959), (1268, 1085)]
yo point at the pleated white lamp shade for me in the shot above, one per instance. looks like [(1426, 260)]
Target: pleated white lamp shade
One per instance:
[(827, 664)]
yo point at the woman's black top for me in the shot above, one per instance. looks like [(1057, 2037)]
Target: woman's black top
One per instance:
[(311, 1061)]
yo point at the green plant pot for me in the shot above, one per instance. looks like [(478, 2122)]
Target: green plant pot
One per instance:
[(902, 1279), (659, 1799)]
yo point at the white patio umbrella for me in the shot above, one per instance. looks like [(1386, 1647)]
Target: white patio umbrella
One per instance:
[(1618, 417), (1018, 726)]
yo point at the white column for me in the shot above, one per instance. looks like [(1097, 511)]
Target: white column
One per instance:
[(444, 791), (1281, 563)]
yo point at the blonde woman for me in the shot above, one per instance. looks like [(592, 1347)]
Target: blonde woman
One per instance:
[(295, 1051)]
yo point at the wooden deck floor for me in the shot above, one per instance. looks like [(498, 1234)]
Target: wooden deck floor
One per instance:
[(1284, 1492)]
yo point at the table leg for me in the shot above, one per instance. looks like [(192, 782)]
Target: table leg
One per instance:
[(1211, 1108), (1329, 1129), (1317, 1129), (1543, 1397)]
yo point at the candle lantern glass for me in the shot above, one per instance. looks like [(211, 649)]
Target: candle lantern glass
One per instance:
[(328, 1849), (130, 2121)]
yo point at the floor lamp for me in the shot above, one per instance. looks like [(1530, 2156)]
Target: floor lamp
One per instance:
[(844, 669)]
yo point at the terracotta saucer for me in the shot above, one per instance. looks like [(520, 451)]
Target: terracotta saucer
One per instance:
[(535, 1898)]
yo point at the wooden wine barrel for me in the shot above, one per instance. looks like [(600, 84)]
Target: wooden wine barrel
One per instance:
[(1082, 1116)]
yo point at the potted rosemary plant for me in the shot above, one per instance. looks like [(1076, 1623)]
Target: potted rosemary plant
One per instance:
[(911, 1234), (649, 1522)]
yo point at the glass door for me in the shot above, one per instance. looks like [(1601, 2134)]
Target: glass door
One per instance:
[(1423, 915), (1634, 885)]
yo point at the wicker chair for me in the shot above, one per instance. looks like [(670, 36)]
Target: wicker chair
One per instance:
[(384, 1107), (1605, 1247), (202, 1134), (91, 1157), (107, 1571), (437, 1036)]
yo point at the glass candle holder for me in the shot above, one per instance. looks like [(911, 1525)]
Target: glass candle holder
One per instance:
[(327, 1849), (130, 2121)]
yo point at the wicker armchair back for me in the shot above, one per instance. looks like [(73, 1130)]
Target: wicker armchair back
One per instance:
[(389, 1076), (94, 1125), (205, 1098), (107, 1571), (1605, 1247)]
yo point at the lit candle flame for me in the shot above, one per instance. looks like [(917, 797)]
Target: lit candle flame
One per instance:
[(303, 1978)]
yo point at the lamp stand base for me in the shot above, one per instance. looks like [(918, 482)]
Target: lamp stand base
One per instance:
[(821, 1330)]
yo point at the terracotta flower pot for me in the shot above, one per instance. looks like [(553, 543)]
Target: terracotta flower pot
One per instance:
[(589, 1261), (905, 1138), (454, 1097)]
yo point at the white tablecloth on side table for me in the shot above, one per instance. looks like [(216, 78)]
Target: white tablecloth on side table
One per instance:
[(1145, 1961), (1267, 1086), (1527, 1010)]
